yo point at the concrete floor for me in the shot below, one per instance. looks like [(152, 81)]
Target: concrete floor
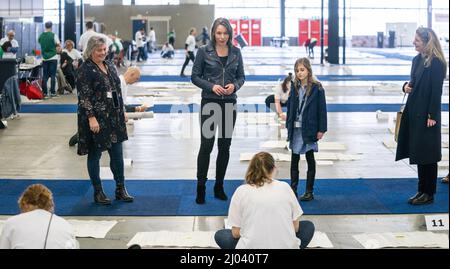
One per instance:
[(41, 142)]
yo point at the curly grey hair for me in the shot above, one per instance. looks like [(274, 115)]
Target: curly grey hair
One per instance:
[(93, 42)]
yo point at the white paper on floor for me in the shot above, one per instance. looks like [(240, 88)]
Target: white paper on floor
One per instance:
[(319, 156), (174, 239), (92, 228), (392, 144), (322, 145), (403, 240), (320, 240), (2, 222)]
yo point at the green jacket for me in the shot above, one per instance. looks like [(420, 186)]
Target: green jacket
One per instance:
[(48, 46)]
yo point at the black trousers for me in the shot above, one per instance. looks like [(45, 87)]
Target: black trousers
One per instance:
[(189, 57), (213, 114), (270, 103), (427, 178), (310, 173)]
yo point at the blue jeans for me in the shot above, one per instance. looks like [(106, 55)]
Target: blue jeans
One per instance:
[(116, 164), (224, 238), (49, 70)]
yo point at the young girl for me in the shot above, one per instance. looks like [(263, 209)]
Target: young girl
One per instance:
[(306, 123), (280, 97), (264, 213)]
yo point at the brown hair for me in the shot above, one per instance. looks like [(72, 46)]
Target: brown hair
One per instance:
[(37, 195), (311, 79), (225, 23), (260, 169), (432, 47), (284, 84)]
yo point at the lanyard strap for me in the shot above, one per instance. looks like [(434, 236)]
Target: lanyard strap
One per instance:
[(48, 229)]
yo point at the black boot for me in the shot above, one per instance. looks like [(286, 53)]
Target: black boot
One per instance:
[(100, 197), (294, 181), (219, 193), (73, 140), (201, 190), (122, 194), (308, 195)]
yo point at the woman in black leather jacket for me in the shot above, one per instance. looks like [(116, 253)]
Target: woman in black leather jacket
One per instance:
[(219, 71)]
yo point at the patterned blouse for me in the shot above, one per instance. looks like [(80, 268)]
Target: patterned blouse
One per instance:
[(99, 96)]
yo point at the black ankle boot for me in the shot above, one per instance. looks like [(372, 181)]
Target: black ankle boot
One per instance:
[(122, 194), (200, 199), (219, 193), (307, 196), (294, 181), (100, 197)]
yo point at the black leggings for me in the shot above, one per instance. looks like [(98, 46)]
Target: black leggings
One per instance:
[(191, 57), (309, 159), (222, 114)]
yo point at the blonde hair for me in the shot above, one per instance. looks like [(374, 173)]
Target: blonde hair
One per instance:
[(93, 42), (260, 169), (311, 79), (432, 47), (37, 195)]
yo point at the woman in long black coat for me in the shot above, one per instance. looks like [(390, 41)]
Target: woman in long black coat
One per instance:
[(419, 137), (101, 118)]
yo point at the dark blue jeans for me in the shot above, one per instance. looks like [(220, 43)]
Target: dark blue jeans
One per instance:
[(224, 238), (116, 164), (49, 70)]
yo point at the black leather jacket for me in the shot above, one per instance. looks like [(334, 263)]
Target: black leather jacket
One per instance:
[(208, 71)]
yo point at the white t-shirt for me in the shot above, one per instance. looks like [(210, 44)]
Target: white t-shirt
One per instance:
[(265, 215), (84, 38), (280, 95), (190, 41), (74, 54), (139, 39), (14, 42), (124, 88), (28, 231), (152, 36)]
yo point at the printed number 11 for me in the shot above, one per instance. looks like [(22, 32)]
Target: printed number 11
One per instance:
[(440, 223)]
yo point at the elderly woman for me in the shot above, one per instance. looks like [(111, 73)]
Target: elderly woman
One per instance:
[(69, 62), (37, 227), (101, 118), (419, 137)]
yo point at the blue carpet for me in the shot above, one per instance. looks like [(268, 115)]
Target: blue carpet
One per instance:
[(281, 77), (190, 108), (176, 197)]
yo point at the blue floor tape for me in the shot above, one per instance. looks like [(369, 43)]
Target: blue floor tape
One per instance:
[(190, 108)]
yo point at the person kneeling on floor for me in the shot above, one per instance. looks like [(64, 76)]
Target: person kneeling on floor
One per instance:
[(37, 227), (264, 204)]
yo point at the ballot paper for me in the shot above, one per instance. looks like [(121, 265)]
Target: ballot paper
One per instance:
[(174, 239), (403, 240), (92, 228)]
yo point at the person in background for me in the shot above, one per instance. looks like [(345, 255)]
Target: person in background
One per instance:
[(50, 46), (419, 137), (84, 38), (205, 35), (37, 226), (101, 118), (139, 38), (171, 37), (167, 51), (190, 48), (279, 99), (445, 179), (130, 77), (306, 123), (264, 213), (152, 40), (13, 46), (70, 59)]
